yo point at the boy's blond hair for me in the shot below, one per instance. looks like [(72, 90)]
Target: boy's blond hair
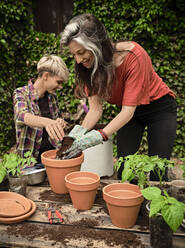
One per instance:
[(54, 65)]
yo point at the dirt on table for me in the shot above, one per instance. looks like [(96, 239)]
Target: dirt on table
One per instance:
[(64, 234), (49, 195)]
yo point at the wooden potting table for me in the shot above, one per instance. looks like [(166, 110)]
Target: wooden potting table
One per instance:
[(92, 228)]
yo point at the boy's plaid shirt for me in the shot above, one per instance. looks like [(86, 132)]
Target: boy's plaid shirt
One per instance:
[(25, 101)]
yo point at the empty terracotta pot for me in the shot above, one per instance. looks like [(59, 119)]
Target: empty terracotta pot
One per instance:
[(57, 169), (123, 201), (82, 186)]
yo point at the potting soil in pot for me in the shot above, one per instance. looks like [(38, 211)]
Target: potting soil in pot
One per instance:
[(160, 233), (66, 144)]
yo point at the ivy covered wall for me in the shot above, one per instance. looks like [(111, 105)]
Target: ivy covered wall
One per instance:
[(157, 25)]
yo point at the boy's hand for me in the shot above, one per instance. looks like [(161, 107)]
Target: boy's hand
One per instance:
[(55, 129)]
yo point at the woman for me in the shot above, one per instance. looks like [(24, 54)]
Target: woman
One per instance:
[(120, 73)]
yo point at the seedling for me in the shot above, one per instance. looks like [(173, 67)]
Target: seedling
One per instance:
[(138, 166), (12, 164)]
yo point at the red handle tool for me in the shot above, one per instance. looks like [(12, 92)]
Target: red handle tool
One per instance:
[(58, 214), (50, 217)]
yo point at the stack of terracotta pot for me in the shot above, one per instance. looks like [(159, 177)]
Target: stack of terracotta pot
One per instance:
[(15, 207)]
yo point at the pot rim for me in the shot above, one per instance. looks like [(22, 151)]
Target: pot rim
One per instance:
[(48, 161), (116, 197), (180, 183), (96, 177)]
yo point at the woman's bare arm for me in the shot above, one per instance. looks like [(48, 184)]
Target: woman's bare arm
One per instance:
[(94, 114), (120, 120)]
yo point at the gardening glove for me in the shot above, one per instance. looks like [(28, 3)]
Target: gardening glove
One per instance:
[(74, 133), (77, 131), (83, 142)]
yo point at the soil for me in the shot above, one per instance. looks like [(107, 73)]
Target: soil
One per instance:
[(181, 195), (4, 186), (66, 144), (161, 233), (63, 234)]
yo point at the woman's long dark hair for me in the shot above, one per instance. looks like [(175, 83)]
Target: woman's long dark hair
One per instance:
[(88, 31)]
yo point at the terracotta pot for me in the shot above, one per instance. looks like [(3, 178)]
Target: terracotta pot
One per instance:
[(82, 186), (123, 201), (57, 169)]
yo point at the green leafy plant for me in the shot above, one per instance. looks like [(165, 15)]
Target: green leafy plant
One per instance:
[(138, 166), (168, 207), (12, 164), (161, 164), (2, 173)]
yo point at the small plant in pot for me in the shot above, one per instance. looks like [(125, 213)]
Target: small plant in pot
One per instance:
[(11, 166), (137, 168), (166, 215)]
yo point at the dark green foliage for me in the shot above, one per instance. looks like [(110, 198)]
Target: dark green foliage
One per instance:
[(21, 48), (156, 25)]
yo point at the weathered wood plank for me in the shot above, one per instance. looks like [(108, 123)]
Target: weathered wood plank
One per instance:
[(97, 215), (95, 220), (45, 237), (42, 236)]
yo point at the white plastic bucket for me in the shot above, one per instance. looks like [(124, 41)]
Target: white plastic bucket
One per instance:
[(99, 159)]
